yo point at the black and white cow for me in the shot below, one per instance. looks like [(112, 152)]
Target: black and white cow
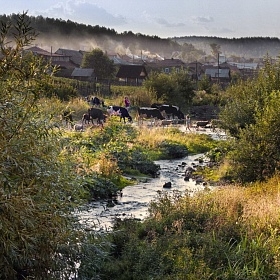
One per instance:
[(170, 110), (149, 113), (96, 114), (119, 111)]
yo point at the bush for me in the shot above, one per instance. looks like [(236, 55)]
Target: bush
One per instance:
[(38, 234), (100, 187), (171, 150)]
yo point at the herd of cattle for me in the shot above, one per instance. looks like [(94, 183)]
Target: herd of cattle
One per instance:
[(155, 113)]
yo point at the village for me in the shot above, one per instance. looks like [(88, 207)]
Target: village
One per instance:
[(132, 70)]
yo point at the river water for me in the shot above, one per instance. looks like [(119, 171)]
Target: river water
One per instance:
[(135, 199)]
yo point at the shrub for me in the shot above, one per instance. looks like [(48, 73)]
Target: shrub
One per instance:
[(38, 234), (173, 150)]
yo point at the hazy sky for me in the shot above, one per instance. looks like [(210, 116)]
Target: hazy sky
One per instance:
[(163, 18)]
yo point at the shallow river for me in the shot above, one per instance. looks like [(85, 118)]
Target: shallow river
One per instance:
[(135, 199)]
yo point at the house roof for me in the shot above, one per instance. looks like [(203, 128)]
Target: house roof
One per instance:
[(132, 71), (75, 56), (39, 51), (119, 61), (230, 66), (245, 65), (82, 72), (171, 63)]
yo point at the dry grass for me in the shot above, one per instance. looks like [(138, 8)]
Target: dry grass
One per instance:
[(256, 207)]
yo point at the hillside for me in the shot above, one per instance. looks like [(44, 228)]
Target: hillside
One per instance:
[(58, 33), (253, 47)]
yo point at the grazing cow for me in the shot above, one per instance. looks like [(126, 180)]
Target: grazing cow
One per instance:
[(95, 113), (95, 101), (119, 111), (170, 110), (203, 124), (149, 113), (68, 118)]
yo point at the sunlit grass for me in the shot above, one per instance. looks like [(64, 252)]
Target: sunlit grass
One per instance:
[(255, 207), (196, 143)]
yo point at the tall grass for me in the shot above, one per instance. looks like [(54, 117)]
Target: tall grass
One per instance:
[(229, 233), (195, 143)]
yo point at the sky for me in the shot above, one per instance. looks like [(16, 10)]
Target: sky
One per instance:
[(163, 18)]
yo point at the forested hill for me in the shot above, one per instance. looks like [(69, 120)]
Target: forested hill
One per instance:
[(68, 34), (58, 33), (248, 47)]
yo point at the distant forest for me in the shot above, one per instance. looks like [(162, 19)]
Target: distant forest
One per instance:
[(58, 33)]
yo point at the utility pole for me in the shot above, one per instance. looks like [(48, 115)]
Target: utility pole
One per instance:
[(196, 76), (218, 67)]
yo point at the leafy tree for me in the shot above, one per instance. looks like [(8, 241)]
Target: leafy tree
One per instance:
[(251, 115), (183, 91), (37, 236), (104, 67), (239, 111), (256, 155), (205, 84), (246, 98), (174, 88)]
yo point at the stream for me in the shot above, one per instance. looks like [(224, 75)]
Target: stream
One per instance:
[(135, 199)]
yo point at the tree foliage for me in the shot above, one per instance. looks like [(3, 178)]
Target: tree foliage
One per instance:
[(174, 88), (103, 67), (36, 185), (247, 98), (251, 115)]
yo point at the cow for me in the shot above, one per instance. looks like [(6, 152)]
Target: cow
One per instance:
[(86, 118), (119, 111), (202, 124), (95, 101), (96, 113), (149, 113), (170, 110)]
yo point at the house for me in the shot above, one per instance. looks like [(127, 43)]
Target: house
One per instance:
[(75, 57), (117, 59), (40, 52), (132, 74), (54, 58), (247, 69), (132, 59), (83, 74), (62, 61), (218, 75), (169, 65)]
